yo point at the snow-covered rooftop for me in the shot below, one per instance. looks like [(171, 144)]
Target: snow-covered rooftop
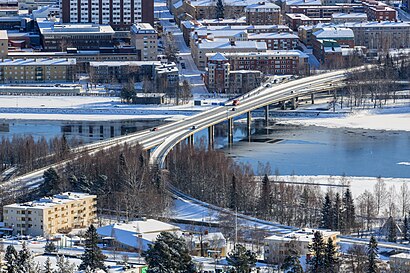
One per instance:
[(226, 44), (375, 24), (262, 6), (50, 202), (218, 57), (30, 62), (255, 36), (268, 53), (335, 32), (349, 16)]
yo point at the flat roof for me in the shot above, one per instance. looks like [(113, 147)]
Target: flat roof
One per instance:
[(30, 62), (284, 35), (127, 63), (305, 235), (295, 53), (75, 29), (341, 15), (225, 44), (49, 202), (3, 35), (375, 24)]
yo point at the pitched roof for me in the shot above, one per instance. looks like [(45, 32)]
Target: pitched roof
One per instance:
[(218, 57)]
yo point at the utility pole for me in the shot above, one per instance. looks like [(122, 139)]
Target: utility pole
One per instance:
[(236, 226)]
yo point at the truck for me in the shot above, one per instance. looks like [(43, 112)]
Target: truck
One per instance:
[(235, 102)]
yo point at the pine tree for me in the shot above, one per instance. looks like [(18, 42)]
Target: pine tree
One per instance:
[(11, 259), (73, 181), (50, 247), (51, 184), (392, 232), (317, 249), (48, 268), (337, 212), (84, 184), (92, 256), (372, 252), (220, 10), (241, 259), (25, 261), (292, 263), (405, 228), (331, 262), (234, 194), (265, 200), (168, 254), (64, 265), (348, 211), (327, 212)]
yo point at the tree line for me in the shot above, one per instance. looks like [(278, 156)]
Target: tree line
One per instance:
[(26, 153)]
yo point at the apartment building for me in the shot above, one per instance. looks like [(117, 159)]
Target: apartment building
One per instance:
[(271, 62), (51, 215), (344, 36), (145, 39), (400, 263), (295, 20), (378, 11), (325, 11), (37, 70), (340, 18), (79, 36), (120, 14), (377, 36), (83, 58), (263, 13), (328, 52), (276, 41), (201, 48), (221, 79), (277, 248), (205, 9)]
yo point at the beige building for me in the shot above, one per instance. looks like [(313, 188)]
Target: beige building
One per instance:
[(51, 215), (37, 70), (400, 263), (263, 13), (4, 42), (145, 38), (277, 247)]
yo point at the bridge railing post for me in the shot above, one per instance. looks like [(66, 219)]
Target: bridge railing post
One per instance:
[(230, 130)]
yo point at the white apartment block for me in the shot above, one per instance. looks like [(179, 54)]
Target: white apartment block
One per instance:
[(50, 215), (120, 14)]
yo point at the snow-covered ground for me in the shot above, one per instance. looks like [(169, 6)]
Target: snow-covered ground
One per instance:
[(357, 184), (91, 108)]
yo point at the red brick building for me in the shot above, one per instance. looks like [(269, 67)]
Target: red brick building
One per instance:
[(263, 13), (276, 41)]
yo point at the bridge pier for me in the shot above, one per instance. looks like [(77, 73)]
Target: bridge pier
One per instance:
[(294, 104), (248, 123), (211, 136), (230, 130), (266, 114), (312, 97), (191, 140)]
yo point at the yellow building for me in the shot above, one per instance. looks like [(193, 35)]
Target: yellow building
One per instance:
[(277, 248), (37, 70), (51, 215)]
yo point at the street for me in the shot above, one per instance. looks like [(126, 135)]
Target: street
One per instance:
[(190, 72)]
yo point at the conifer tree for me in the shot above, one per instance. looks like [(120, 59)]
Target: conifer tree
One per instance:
[(348, 211), (92, 256), (47, 266), (292, 263), (265, 200), (337, 212), (50, 247), (392, 232), (11, 259), (234, 194), (317, 249), (372, 252), (331, 262), (220, 10), (168, 254), (25, 261), (241, 259), (327, 211), (405, 228), (51, 184)]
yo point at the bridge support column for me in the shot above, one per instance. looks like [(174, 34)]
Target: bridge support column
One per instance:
[(211, 136), (312, 97), (266, 114), (230, 130), (294, 104), (191, 140), (248, 123)]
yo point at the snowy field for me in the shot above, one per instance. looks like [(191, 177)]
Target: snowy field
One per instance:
[(91, 108), (391, 117), (357, 184)]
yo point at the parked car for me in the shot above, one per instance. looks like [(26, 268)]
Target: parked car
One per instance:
[(154, 129)]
